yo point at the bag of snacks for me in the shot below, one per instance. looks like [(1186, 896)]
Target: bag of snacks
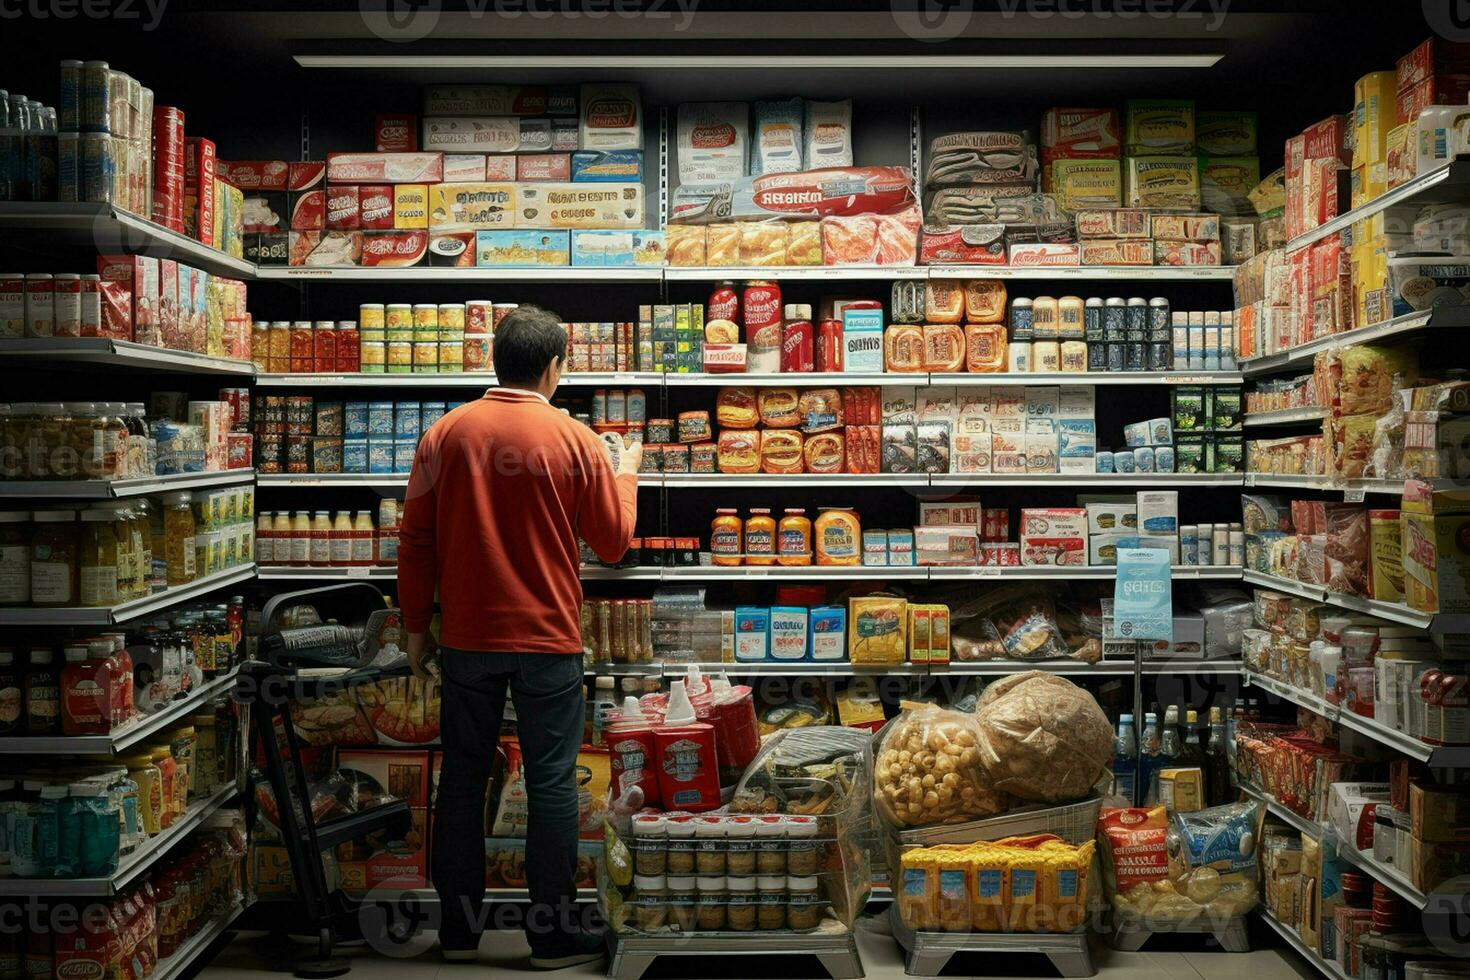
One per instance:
[(1016, 884), (1043, 738), (929, 770), (1205, 867), (1010, 623)]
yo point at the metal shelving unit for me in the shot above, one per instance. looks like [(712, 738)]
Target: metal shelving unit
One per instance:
[(1445, 184), (828, 273), (1395, 612), (1300, 357), (115, 489), (183, 958), (126, 611), (1087, 479), (92, 352), (1103, 273), (109, 229), (1285, 416), (456, 274), (378, 480)]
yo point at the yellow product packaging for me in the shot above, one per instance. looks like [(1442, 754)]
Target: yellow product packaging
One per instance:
[(919, 889), (919, 620), (1311, 894), (939, 634), (1181, 790), (1063, 887), (955, 874), (859, 708), (1385, 554), (1161, 182), (1026, 870), (876, 629), (990, 868), (1081, 185)]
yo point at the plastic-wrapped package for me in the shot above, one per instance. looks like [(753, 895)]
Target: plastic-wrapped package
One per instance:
[(1369, 376), (898, 237), (1014, 622), (1202, 866), (1346, 550), (929, 771), (686, 246), (850, 240), (1225, 624), (1043, 738), (722, 245)]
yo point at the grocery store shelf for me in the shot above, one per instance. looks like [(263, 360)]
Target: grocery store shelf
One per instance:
[(426, 273), (90, 351), (1138, 273), (817, 573), (776, 480), (1286, 416), (1388, 485), (112, 489), (1442, 185), (125, 737), (1345, 850), (1001, 668), (1177, 666), (180, 962), (589, 379), (105, 229), (805, 668), (828, 273), (1442, 318), (1180, 377), (1087, 479), (303, 382), (818, 379), (1395, 612), (1328, 968), (1436, 756), (126, 611), (379, 480), (1072, 572), (289, 573), (131, 866)]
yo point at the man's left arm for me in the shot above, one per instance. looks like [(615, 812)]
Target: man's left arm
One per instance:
[(417, 554)]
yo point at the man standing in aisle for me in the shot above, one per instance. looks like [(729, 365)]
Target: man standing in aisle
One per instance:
[(501, 490)]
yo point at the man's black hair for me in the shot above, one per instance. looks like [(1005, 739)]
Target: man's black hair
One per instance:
[(526, 342)]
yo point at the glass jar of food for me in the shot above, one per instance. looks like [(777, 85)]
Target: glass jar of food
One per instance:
[(683, 901), (760, 537), (681, 845), (837, 537), (770, 902), (803, 908), (740, 904), (709, 839), (794, 538), (770, 845), (651, 843), (652, 893), (97, 562), (178, 537), (11, 442), (15, 557), (54, 558), (740, 845), (45, 436), (83, 441), (714, 897), (725, 534), (801, 845)]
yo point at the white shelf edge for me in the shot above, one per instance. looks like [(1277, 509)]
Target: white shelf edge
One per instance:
[(1391, 611), (1403, 194), (430, 273), (121, 353), (126, 611), (1285, 416), (182, 958), (1442, 318), (111, 229), (1141, 273), (116, 489)]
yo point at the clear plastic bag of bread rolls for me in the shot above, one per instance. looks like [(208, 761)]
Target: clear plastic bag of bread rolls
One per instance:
[(1042, 738), (929, 772)]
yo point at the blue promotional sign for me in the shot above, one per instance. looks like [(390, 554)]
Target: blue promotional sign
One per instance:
[(1143, 597)]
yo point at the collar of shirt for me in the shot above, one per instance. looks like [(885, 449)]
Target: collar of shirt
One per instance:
[(517, 393)]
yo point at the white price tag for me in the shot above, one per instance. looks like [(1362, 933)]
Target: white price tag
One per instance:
[(359, 571), (1354, 495), (988, 571)]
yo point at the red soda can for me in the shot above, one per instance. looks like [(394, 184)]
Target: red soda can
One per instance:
[(724, 304), (762, 313), (829, 346), (798, 340)]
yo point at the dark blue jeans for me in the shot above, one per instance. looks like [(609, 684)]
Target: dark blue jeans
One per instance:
[(546, 689)]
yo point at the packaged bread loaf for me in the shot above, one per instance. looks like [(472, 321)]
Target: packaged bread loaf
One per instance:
[(929, 770), (779, 408), (820, 410), (738, 451), (781, 451), (763, 243), (985, 301), (903, 348), (985, 348), (735, 408), (824, 452), (686, 246), (804, 243), (722, 245), (1043, 738), (944, 301), (944, 347)]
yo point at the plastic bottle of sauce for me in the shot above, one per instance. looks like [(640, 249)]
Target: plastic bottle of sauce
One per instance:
[(837, 537), (163, 760), (341, 540), (86, 694), (794, 538), (302, 347), (725, 535), (281, 532), (387, 541), (760, 537), (12, 706), (320, 553), (349, 348), (43, 693), (265, 538), (361, 543), (301, 538), (178, 537), (124, 661), (324, 346)]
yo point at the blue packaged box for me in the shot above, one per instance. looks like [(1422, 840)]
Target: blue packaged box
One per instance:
[(620, 166), (510, 247), (620, 249), (827, 633), (432, 412), (752, 633), (901, 547), (875, 547), (355, 420), (407, 419), (354, 455), (788, 633), (862, 339), (403, 450), (380, 455), (380, 419)]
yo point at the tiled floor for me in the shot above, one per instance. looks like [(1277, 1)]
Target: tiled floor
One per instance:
[(504, 954)]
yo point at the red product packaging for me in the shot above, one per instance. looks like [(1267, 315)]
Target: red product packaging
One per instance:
[(168, 167), (828, 348), (394, 248), (117, 309), (499, 166), (199, 175), (255, 175), (1328, 138), (1433, 55), (737, 733), (304, 175), (723, 304), (169, 332), (962, 245), (375, 207), (308, 210), (688, 767), (396, 133), (798, 347), (343, 211), (385, 168), (477, 316), (301, 244), (762, 313), (140, 273), (239, 451), (995, 524), (630, 747), (544, 166)]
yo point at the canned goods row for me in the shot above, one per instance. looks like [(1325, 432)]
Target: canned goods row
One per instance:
[(40, 304), (475, 316), (617, 631)]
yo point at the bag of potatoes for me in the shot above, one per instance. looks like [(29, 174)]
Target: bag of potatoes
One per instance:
[(1042, 738), (929, 770)]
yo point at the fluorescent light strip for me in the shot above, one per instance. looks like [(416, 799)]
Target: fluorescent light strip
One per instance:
[(706, 62)]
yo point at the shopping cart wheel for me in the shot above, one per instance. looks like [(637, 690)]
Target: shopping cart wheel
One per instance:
[(324, 964)]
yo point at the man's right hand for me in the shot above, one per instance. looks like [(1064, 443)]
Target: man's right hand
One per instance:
[(631, 458)]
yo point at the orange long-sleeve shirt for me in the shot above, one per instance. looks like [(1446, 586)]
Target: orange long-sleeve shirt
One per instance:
[(501, 490)]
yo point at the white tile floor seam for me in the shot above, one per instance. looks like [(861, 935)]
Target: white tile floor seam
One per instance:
[(505, 954)]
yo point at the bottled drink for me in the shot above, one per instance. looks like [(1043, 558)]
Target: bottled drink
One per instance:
[(281, 533), (1194, 753), (1170, 747), (43, 693), (1149, 759), (1125, 760), (341, 540), (320, 554), (12, 708), (1217, 761), (300, 538), (362, 540)]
